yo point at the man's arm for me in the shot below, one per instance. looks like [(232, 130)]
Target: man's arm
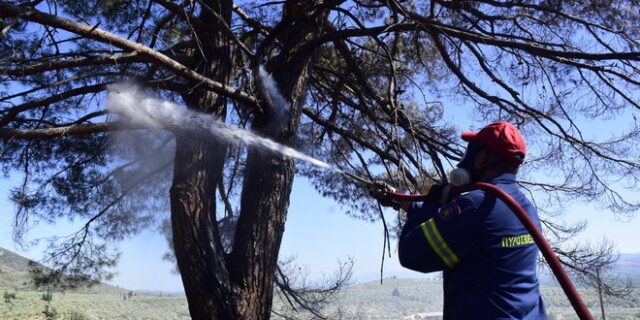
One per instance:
[(405, 206), (435, 238)]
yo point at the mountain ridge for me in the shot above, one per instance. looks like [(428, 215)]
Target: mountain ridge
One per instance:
[(14, 275)]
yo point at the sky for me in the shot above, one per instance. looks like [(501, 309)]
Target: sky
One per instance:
[(317, 233)]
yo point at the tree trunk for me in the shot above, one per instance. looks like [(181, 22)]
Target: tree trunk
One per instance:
[(238, 285), (269, 179), (600, 298), (199, 162), (200, 256)]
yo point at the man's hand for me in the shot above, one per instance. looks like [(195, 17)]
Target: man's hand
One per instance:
[(380, 191), (439, 194)]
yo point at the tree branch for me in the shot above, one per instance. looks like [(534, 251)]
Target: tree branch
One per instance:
[(12, 112), (71, 130), (92, 32), (531, 48), (109, 59), (180, 12)]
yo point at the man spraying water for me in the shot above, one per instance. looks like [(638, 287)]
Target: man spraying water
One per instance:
[(487, 256)]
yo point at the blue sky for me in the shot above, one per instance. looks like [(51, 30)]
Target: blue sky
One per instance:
[(317, 233)]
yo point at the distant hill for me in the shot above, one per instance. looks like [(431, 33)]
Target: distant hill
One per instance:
[(14, 275), (413, 299), (396, 298), (13, 270), (629, 265)]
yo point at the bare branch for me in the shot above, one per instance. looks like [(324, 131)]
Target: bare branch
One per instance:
[(72, 130), (92, 32), (13, 112), (109, 59)]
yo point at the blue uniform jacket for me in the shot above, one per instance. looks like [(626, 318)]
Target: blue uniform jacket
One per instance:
[(488, 257)]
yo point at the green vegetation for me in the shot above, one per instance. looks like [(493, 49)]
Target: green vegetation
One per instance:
[(88, 306), (22, 301), (394, 299), (422, 299)]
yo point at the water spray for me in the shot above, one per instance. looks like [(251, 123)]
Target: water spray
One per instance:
[(143, 110), (139, 108), (280, 107)]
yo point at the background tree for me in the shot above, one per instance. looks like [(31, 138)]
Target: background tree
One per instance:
[(365, 81)]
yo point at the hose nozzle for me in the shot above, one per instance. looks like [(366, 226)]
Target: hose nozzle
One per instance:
[(378, 189)]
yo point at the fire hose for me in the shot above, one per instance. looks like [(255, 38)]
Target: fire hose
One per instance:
[(554, 263)]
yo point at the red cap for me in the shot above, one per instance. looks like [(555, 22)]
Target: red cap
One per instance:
[(502, 138)]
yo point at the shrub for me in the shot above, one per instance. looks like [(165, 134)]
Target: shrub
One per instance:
[(47, 296), (50, 313), (8, 296), (75, 315)]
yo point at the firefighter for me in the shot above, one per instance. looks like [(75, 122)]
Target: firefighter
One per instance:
[(487, 256)]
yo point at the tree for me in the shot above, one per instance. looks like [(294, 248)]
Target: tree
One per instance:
[(364, 81), (50, 313), (595, 268), (8, 296)]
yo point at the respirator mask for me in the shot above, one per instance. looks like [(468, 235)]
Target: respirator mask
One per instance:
[(465, 173)]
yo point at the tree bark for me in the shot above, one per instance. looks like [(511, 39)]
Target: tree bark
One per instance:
[(199, 162), (238, 285), (269, 177), (600, 294), (200, 257)]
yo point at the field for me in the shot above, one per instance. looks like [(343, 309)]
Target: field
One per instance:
[(93, 303), (408, 299), (422, 299), (87, 306), (395, 299)]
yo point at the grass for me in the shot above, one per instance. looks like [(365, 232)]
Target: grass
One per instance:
[(416, 299), (29, 305), (394, 299)]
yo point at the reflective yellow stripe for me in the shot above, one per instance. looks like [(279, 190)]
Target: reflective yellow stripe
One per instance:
[(451, 255), (427, 234), (437, 243)]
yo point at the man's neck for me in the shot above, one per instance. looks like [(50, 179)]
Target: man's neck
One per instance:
[(488, 175)]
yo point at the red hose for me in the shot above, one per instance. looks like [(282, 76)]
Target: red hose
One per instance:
[(541, 242)]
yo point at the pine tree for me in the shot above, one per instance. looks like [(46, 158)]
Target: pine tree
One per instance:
[(364, 84)]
